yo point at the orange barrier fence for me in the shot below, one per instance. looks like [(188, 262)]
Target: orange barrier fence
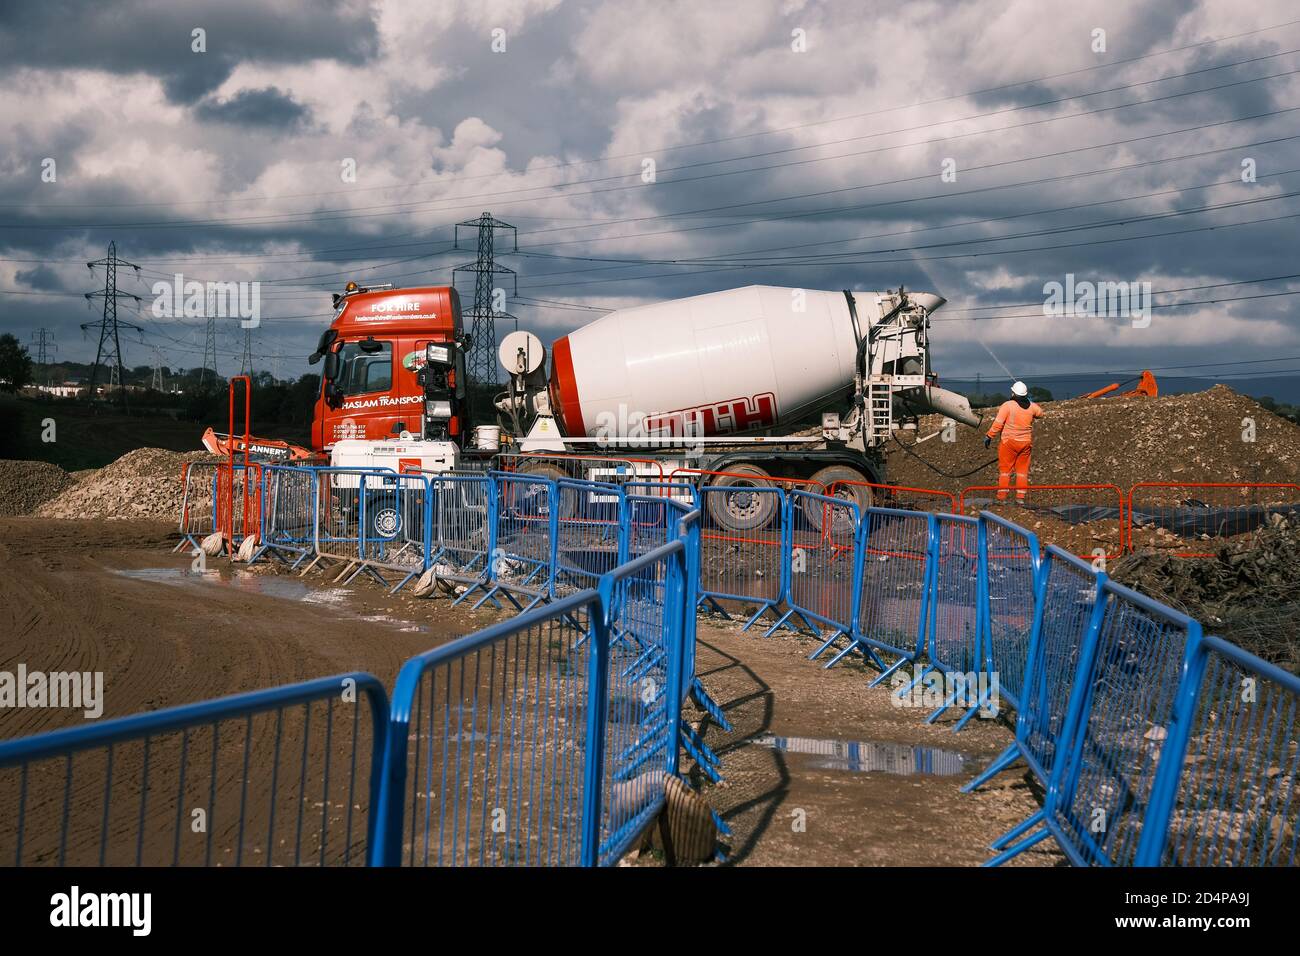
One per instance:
[(1188, 518), (900, 496), (1088, 520)]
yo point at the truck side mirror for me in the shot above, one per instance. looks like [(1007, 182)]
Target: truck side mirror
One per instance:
[(331, 365), (323, 346)]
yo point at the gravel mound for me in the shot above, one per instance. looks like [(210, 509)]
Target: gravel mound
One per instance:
[(145, 483), (1197, 437), (1248, 591), (24, 485)]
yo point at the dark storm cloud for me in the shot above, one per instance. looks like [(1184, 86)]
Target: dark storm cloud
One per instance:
[(154, 37), (677, 84), (41, 277), (521, 93), (268, 107)]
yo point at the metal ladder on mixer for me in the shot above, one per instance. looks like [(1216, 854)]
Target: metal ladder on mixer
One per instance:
[(880, 408)]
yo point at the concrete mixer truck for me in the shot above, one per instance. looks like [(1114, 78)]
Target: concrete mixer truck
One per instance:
[(717, 383)]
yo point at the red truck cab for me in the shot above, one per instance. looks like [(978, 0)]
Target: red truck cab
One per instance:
[(374, 349)]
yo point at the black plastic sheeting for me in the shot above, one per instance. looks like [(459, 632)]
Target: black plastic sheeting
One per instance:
[(1188, 520)]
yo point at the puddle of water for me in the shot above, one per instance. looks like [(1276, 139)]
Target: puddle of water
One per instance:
[(871, 756), (287, 589), (328, 596)]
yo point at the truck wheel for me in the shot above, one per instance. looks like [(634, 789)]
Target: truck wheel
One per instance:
[(814, 511), (569, 506), (383, 517), (740, 509)]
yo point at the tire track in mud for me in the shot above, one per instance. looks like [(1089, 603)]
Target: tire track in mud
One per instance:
[(64, 606)]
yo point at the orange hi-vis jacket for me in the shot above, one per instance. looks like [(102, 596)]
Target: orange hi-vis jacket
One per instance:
[(1016, 423)]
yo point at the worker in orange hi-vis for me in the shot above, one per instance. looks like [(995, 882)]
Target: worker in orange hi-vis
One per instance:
[(1015, 422)]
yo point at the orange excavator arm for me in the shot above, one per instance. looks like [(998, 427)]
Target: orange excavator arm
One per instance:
[(1113, 386), (264, 448), (1146, 386)]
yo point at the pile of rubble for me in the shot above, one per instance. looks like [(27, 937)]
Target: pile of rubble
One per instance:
[(1248, 591), (1213, 436), (145, 483), (25, 485)]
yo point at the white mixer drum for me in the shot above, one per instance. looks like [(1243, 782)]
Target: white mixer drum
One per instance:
[(711, 364)]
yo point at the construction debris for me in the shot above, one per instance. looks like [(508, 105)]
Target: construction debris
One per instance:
[(25, 485), (1248, 591), (144, 483)]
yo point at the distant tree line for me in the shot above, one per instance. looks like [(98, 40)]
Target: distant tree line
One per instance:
[(993, 399), (1281, 409)]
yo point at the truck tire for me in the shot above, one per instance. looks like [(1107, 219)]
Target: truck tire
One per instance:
[(814, 511), (741, 510), (383, 517)]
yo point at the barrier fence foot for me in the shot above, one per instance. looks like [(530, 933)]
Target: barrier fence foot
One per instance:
[(826, 644), (704, 757), (888, 672), (780, 622), (784, 621), (965, 718), (952, 699), (491, 595), (707, 704), (464, 595), (1003, 760), (1019, 848), (402, 583), (915, 680), (866, 650), (720, 823), (715, 606), (1031, 821), (756, 615)]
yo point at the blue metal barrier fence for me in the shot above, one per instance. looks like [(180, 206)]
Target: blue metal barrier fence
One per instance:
[(286, 776), (547, 739)]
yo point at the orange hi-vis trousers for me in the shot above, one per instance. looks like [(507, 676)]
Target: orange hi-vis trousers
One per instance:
[(1013, 457)]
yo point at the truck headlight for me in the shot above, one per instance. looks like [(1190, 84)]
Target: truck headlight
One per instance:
[(439, 354), (438, 409)]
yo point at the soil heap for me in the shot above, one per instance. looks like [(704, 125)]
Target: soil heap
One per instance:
[(145, 483), (24, 485), (1197, 437)]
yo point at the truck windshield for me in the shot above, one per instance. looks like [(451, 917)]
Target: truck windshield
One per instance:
[(361, 372)]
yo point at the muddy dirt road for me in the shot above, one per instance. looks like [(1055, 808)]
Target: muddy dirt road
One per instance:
[(821, 770), (282, 788), (108, 596)]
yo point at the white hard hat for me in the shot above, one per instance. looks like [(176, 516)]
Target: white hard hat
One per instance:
[(1020, 389)]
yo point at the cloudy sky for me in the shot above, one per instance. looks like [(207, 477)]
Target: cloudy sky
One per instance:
[(977, 149)]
